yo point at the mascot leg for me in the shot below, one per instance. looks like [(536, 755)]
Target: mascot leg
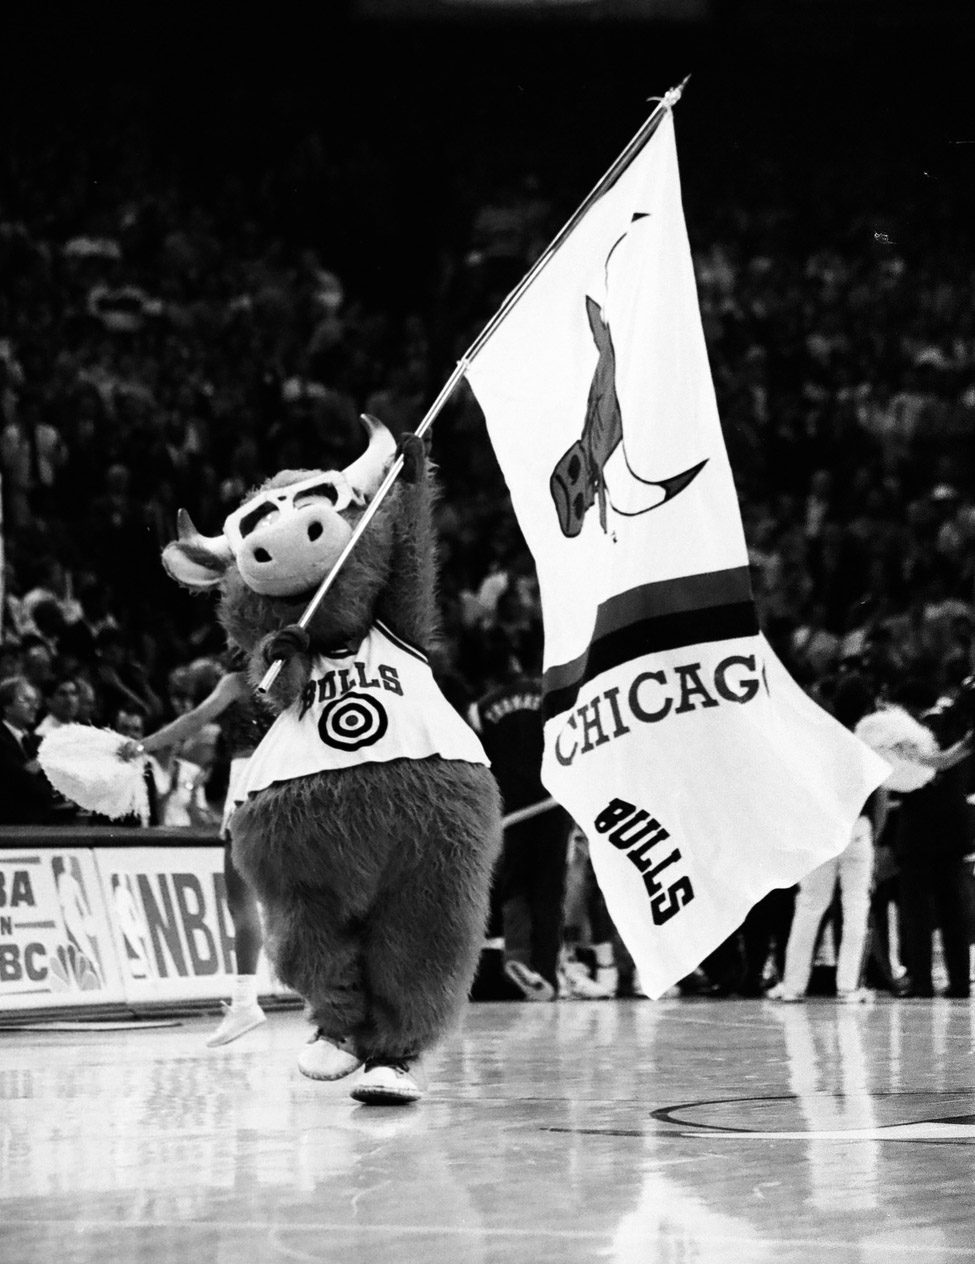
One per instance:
[(321, 959), (314, 940), (424, 937)]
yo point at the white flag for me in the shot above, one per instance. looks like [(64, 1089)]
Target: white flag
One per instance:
[(701, 773)]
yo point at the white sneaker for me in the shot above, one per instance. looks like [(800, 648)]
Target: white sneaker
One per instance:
[(855, 996), (324, 1059), (779, 993), (389, 1083), (534, 985), (237, 1021), (576, 984)]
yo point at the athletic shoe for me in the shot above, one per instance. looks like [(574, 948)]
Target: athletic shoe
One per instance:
[(855, 996), (779, 993), (534, 986), (576, 984), (325, 1059), (237, 1021), (389, 1082)]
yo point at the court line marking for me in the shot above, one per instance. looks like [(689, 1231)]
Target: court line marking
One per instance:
[(464, 1231), (667, 1114)]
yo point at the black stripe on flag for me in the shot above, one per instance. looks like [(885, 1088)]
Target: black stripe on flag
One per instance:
[(693, 610)]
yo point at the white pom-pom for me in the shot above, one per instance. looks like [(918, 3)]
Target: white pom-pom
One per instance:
[(83, 764), (886, 730)]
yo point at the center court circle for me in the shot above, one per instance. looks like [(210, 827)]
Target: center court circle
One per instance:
[(353, 721)]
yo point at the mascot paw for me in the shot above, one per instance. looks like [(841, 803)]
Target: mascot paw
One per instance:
[(286, 644), (413, 450)]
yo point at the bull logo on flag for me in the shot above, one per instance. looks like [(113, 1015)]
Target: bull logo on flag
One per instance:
[(579, 479)]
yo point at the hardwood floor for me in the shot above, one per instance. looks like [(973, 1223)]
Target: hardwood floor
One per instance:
[(619, 1131)]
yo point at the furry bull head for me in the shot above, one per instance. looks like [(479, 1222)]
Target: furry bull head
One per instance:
[(285, 538)]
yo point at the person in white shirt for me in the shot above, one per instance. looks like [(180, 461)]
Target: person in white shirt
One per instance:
[(852, 869), (62, 700)]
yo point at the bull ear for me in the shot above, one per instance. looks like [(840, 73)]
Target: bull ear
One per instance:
[(196, 561)]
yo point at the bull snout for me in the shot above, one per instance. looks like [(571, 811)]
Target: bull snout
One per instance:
[(293, 552)]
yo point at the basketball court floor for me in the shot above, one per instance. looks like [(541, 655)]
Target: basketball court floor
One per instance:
[(630, 1132)]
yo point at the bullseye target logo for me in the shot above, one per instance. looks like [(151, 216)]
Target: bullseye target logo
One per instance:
[(353, 721)]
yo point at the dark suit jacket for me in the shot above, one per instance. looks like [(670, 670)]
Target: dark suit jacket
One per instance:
[(26, 798)]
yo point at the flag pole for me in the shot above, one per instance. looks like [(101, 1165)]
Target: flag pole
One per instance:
[(664, 104)]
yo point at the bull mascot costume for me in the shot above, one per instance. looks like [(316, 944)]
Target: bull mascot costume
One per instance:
[(370, 820)]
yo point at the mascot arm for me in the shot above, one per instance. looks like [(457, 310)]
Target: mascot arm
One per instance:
[(408, 603), (291, 645)]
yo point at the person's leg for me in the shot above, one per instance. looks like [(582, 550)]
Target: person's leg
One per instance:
[(815, 894), (951, 902), (856, 876), (576, 981), (506, 937), (519, 974), (882, 971), (603, 937), (767, 924), (784, 909), (423, 932), (245, 915), (723, 970), (244, 1012), (516, 909), (575, 916), (545, 866), (916, 926)]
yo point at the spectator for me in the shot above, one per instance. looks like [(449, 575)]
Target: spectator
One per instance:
[(242, 722), (932, 839), (27, 797), (852, 870), (532, 867), (60, 704), (11, 659), (87, 703), (38, 662)]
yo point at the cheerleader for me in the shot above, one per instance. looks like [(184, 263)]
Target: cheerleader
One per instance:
[(242, 723)]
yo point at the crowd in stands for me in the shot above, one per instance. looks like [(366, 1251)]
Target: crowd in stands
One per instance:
[(161, 347)]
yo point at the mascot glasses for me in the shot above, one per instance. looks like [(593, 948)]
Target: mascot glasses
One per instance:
[(331, 486)]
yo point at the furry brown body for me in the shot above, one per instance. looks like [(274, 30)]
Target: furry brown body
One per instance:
[(374, 879), (374, 883)]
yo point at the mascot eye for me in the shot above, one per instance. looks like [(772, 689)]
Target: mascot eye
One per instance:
[(321, 491), (250, 521)]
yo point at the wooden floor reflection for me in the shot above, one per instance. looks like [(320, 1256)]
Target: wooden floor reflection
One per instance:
[(624, 1132)]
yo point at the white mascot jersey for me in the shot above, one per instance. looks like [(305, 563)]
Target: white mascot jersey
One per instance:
[(369, 705)]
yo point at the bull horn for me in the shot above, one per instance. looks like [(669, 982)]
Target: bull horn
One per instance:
[(214, 546), (366, 472)]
